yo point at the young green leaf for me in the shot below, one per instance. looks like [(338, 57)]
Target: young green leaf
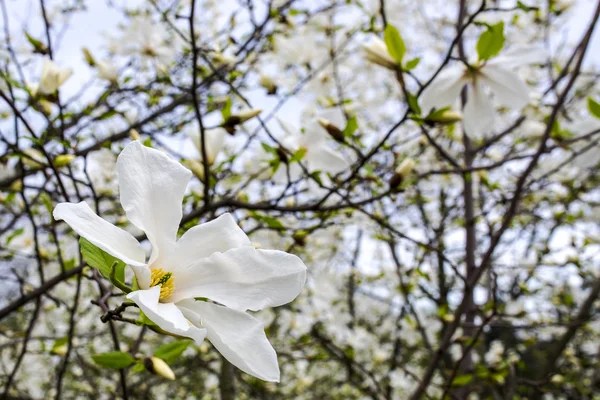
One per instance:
[(171, 351), (226, 110), (114, 359), (412, 64), (593, 107), (491, 41), (395, 44), (298, 155), (101, 260)]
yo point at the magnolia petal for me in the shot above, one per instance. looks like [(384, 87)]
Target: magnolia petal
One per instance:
[(152, 186), (444, 90), (167, 316), (509, 89), (327, 160), (287, 127), (238, 336), (244, 278), (101, 233), (202, 241), (521, 55), (479, 113)]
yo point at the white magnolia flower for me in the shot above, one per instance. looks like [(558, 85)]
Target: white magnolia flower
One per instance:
[(146, 38), (214, 140), (107, 71), (52, 77), (213, 261), (497, 74)]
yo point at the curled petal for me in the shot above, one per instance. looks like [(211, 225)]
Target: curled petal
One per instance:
[(167, 316), (101, 233), (238, 336)]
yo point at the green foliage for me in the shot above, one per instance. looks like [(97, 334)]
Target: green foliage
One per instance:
[(462, 380), (114, 359), (395, 45), (171, 351), (593, 107), (491, 41), (413, 103), (412, 64), (98, 258), (14, 234), (298, 155), (226, 110), (351, 126)]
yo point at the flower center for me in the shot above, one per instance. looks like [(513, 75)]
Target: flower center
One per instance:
[(166, 282)]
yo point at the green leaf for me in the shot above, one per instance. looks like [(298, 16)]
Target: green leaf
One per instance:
[(462, 380), (38, 46), (298, 155), (593, 107), (171, 351), (226, 110), (491, 41), (59, 346), (412, 64), (395, 44), (268, 148), (100, 259), (14, 234), (413, 103), (351, 126), (138, 367), (114, 359)]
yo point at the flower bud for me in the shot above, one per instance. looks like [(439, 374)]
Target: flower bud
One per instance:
[(159, 367), (402, 172), (89, 58), (33, 158), (246, 115), (333, 130), (52, 77), (17, 185), (445, 117), (134, 135), (268, 83), (60, 350), (222, 60), (196, 167), (376, 52), (236, 119), (63, 160), (107, 71)]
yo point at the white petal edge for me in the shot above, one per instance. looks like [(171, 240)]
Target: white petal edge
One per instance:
[(479, 113), (152, 186), (521, 55), (244, 278), (444, 89), (508, 87), (166, 315), (201, 241), (238, 336), (101, 233), (326, 160)]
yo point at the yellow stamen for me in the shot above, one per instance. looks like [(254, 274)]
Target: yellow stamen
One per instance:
[(166, 282)]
